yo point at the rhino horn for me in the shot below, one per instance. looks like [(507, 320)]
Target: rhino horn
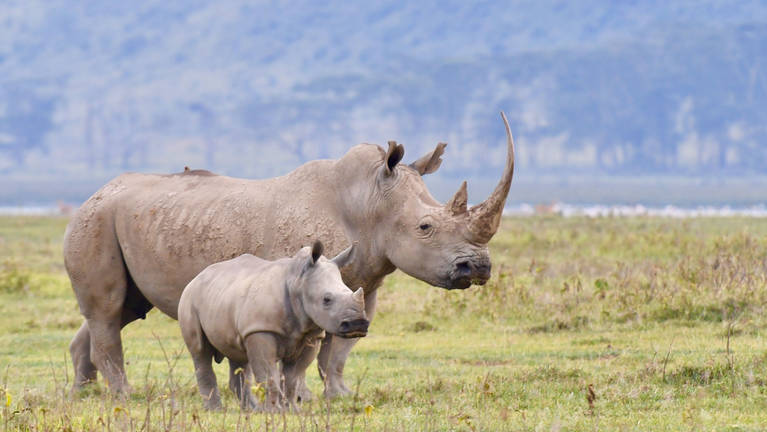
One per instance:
[(485, 218), (457, 204), (345, 256), (359, 296)]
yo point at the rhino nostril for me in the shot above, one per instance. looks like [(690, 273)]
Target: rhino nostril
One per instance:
[(483, 268), (463, 267), (344, 326)]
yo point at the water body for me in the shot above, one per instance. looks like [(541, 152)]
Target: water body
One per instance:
[(523, 209)]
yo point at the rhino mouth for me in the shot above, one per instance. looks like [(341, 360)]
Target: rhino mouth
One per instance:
[(353, 329), (352, 334), (467, 273), (464, 282)]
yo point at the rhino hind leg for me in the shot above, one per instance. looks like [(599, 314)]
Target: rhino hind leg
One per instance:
[(206, 379), (97, 344), (107, 296), (105, 315), (202, 352), (80, 352), (107, 353)]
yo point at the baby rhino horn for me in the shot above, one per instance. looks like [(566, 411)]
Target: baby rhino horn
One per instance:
[(359, 296)]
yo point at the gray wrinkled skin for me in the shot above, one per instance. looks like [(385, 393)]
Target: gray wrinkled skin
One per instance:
[(256, 312), (141, 238)]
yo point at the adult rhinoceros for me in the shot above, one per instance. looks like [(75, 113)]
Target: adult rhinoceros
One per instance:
[(141, 238)]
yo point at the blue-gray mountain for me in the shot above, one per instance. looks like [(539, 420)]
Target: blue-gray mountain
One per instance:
[(653, 87)]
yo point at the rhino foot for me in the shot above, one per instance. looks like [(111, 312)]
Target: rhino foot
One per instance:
[(249, 404), (213, 405), (82, 388), (303, 394), (122, 392), (269, 407), (332, 392)]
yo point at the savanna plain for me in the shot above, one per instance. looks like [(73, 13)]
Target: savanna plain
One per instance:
[(586, 324)]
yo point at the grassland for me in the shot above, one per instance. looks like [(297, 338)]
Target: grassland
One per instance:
[(664, 320)]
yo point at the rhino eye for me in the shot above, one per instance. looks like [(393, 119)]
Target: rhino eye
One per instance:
[(327, 300), (425, 227)]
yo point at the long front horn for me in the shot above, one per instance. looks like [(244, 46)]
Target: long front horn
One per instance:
[(485, 218)]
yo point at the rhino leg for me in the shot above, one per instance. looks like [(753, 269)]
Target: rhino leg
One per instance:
[(106, 294), (83, 357), (80, 351), (104, 319), (334, 352), (333, 355), (206, 378), (107, 351), (296, 389), (262, 357), (239, 383), (202, 356), (97, 344)]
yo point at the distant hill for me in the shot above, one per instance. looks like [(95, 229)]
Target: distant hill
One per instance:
[(592, 88)]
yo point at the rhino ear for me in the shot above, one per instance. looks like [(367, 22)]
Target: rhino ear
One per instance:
[(345, 257), (316, 252), (430, 161), (393, 156)]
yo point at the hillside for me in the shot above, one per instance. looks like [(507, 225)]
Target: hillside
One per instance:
[(591, 88)]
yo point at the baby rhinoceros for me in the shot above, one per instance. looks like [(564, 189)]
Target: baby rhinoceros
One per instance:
[(257, 313)]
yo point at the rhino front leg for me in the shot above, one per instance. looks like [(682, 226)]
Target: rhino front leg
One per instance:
[(296, 389), (262, 357), (239, 383), (333, 354)]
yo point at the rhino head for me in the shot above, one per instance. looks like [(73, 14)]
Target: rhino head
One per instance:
[(444, 245), (324, 296)]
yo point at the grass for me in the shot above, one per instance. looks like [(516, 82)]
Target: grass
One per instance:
[(664, 319)]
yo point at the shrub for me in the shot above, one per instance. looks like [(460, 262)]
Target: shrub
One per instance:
[(13, 279)]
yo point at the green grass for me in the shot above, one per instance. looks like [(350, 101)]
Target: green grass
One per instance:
[(641, 309)]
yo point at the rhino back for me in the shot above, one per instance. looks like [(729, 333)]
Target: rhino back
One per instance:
[(170, 227)]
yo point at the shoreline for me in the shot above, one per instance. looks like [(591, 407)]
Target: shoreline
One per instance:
[(516, 210)]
